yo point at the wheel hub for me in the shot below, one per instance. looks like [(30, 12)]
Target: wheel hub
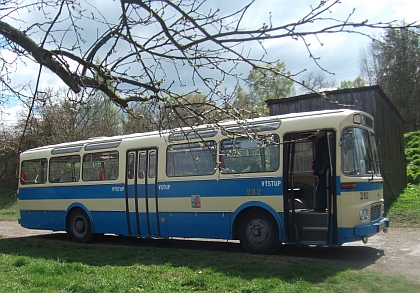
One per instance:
[(257, 231), (79, 226)]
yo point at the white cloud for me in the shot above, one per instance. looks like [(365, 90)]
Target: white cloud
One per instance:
[(384, 10), (27, 74), (9, 115)]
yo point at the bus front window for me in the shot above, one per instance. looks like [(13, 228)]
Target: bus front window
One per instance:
[(359, 155)]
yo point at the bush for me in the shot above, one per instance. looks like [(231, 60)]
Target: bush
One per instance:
[(412, 154)]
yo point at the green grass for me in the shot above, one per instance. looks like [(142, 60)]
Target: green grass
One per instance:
[(405, 210), (59, 266), (8, 205)]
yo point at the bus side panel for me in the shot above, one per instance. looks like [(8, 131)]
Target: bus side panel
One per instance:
[(144, 225), (46, 208), (112, 222), (43, 220), (199, 225), (205, 208)]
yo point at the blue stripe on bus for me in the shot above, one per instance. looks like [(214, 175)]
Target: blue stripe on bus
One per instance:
[(183, 224), (73, 192), (169, 189), (201, 225), (228, 187)]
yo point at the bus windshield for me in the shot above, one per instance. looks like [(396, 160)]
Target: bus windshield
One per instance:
[(358, 153)]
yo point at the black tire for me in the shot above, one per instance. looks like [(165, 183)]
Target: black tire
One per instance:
[(258, 232), (79, 227)]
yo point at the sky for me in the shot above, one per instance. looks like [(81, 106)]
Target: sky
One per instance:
[(338, 54)]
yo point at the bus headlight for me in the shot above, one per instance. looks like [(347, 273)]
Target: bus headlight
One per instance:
[(382, 210), (364, 214)]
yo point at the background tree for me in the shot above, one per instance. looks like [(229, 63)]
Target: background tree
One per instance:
[(244, 104), (140, 118), (155, 51), (190, 110), (348, 84), (316, 82), (8, 157), (369, 64), (59, 116), (395, 66), (269, 83)]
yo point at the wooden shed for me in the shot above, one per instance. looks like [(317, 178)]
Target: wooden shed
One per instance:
[(389, 126)]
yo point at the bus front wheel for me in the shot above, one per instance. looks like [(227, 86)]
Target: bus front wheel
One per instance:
[(79, 227), (258, 232)]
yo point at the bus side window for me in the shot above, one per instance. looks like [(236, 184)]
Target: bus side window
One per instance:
[(152, 164), (101, 173), (142, 165), (130, 170), (23, 177), (101, 166), (34, 172), (245, 155), (190, 159), (65, 169)]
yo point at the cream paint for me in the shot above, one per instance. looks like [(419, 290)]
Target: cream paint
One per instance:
[(183, 204)]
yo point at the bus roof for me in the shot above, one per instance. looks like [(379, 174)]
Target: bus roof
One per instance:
[(165, 133)]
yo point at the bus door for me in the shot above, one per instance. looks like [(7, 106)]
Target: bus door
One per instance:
[(141, 193), (309, 219)]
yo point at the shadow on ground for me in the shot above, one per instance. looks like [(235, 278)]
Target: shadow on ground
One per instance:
[(349, 256)]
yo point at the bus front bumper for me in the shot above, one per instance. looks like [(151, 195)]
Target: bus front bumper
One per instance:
[(371, 229)]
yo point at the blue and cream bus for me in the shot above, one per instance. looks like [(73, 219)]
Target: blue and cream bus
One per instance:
[(249, 180)]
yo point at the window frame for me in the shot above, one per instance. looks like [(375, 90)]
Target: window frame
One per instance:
[(95, 175), (190, 148), (24, 180), (262, 142), (75, 176)]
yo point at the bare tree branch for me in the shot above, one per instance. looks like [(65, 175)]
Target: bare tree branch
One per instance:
[(40, 55), (148, 50)]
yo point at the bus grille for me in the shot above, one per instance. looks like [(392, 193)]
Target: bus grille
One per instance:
[(375, 212)]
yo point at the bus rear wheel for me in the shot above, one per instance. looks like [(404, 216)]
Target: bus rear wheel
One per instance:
[(258, 232), (79, 227)]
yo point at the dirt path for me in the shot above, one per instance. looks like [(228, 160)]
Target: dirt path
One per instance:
[(397, 252)]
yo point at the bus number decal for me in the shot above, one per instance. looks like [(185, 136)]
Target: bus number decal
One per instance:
[(253, 191), (364, 195), (117, 188), (164, 187)]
